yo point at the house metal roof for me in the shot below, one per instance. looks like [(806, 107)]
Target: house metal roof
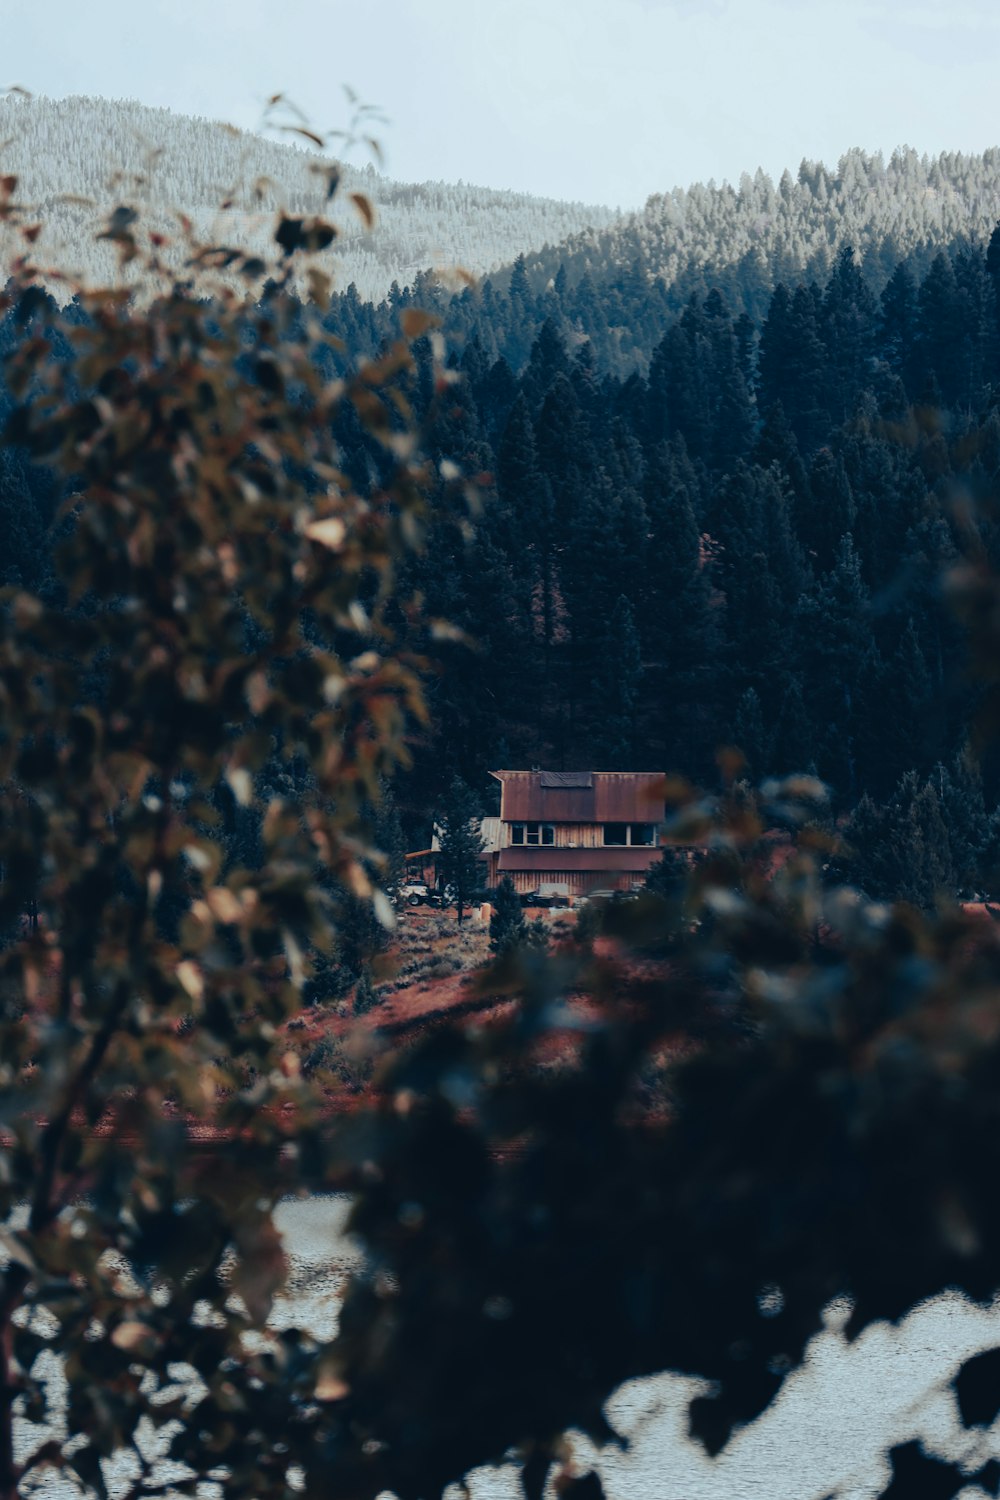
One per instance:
[(590, 797)]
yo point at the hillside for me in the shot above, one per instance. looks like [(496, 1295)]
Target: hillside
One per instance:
[(719, 507), (759, 233), (111, 151), (620, 285)]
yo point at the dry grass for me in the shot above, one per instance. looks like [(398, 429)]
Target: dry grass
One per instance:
[(431, 945)]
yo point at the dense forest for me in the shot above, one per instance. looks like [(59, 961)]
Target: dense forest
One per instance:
[(744, 543), (738, 535), (620, 285)]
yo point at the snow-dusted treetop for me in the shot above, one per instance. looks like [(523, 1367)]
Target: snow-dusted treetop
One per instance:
[(119, 151), (908, 206)]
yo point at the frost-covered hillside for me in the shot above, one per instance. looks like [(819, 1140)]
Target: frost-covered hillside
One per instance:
[(122, 152), (761, 232)]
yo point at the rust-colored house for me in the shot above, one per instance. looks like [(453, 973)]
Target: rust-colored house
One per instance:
[(569, 832)]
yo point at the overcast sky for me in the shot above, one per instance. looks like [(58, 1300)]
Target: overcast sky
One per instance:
[(605, 101)]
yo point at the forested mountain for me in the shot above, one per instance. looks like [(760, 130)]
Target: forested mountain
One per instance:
[(719, 519), (746, 544), (620, 286), (113, 151), (759, 233)]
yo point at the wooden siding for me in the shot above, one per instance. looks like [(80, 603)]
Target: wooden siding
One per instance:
[(577, 882), (571, 836), (567, 836), (603, 861)]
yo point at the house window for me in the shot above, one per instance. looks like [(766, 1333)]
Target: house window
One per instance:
[(532, 833), (642, 835)]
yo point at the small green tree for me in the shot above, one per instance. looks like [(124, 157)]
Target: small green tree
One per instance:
[(365, 997), (461, 844), (507, 924)]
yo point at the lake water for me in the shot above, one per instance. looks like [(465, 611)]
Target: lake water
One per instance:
[(825, 1436)]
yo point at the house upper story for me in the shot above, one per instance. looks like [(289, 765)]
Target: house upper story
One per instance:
[(580, 809)]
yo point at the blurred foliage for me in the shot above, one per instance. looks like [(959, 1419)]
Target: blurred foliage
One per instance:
[(776, 1094), (198, 719)]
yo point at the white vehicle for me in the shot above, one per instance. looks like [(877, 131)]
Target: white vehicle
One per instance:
[(417, 895)]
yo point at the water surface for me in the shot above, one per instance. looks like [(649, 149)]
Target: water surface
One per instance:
[(826, 1435)]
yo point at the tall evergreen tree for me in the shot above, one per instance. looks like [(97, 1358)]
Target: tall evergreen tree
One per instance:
[(963, 808), (616, 691), (750, 734), (792, 366), (460, 844), (848, 330)]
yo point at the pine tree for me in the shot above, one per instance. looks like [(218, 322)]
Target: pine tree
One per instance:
[(909, 732), (830, 512), (751, 736), (848, 330), (507, 925), (833, 634), (460, 844), (776, 444), (565, 454), (902, 849), (794, 739), (867, 862), (679, 386), (963, 808), (927, 868), (940, 328), (616, 690), (365, 998), (525, 526), (793, 363), (548, 358), (993, 275)]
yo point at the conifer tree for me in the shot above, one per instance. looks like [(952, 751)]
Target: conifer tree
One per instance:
[(848, 328), (616, 690), (963, 808), (834, 634), (776, 444), (794, 738), (751, 736), (993, 274), (830, 512), (460, 844), (507, 925), (548, 358), (923, 844), (868, 862), (908, 708), (940, 330), (792, 363)]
